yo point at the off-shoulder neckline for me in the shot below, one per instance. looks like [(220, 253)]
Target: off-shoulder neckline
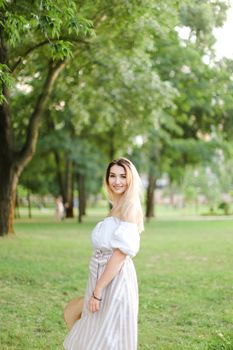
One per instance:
[(115, 217), (111, 216)]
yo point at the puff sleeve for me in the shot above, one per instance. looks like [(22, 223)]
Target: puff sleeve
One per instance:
[(126, 238)]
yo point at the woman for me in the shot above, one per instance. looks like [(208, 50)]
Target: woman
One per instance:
[(110, 308)]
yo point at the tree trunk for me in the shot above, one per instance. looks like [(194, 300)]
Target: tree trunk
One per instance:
[(68, 200), (150, 200), (154, 157), (65, 183), (12, 162), (196, 205), (17, 212), (172, 196), (81, 196), (8, 181), (60, 178), (29, 205)]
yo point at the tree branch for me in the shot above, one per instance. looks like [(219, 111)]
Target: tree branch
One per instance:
[(28, 149), (6, 134), (42, 43)]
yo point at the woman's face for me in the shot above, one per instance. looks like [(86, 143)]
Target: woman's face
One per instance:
[(117, 179)]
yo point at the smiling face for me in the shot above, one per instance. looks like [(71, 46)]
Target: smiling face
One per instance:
[(117, 179)]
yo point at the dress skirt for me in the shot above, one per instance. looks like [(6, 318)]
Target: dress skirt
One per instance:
[(114, 326)]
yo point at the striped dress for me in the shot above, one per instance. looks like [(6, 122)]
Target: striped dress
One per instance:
[(114, 326)]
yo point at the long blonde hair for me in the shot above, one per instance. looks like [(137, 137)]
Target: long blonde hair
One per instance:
[(128, 208)]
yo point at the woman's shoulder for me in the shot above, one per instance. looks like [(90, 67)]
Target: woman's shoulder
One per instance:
[(126, 237), (121, 221)]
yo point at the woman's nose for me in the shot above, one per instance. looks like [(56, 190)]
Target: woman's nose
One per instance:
[(117, 180)]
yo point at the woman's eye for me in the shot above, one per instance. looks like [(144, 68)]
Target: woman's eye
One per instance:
[(112, 175), (123, 176)]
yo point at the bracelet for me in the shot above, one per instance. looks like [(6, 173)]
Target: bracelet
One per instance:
[(99, 299)]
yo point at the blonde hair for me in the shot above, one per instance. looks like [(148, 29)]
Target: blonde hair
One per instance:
[(128, 208)]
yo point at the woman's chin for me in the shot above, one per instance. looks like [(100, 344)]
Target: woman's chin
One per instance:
[(118, 193)]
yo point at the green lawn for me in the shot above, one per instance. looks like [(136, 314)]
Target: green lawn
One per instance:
[(185, 274)]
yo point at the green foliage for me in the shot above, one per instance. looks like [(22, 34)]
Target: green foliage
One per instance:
[(2, 3), (5, 80), (213, 179), (39, 177), (61, 50), (35, 33), (225, 207), (15, 25), (129, 76), (203, 17), (49, 18)]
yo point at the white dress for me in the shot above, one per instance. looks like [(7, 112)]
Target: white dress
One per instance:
[(114, 326)]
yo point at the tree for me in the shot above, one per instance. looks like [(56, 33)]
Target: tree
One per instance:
[(116, 97), (54, 30), (181, 62)]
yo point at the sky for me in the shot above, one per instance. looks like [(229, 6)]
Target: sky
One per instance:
[(224, 44)]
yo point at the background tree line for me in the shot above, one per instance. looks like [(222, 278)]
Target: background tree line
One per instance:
[(84, 82)]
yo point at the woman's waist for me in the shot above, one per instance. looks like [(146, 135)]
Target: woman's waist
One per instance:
[(101, 253), (100, 257)]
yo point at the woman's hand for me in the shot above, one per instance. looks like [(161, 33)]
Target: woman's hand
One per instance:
[(94, 304)]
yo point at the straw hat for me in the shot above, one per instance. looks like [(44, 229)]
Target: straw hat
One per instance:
[(73, 311)]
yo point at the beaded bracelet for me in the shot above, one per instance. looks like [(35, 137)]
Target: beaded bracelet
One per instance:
[(99, 299)]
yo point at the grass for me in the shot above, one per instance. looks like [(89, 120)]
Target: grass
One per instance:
[(184, 272), (162, 211)]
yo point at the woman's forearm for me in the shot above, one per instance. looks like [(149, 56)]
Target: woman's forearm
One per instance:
[(111, 270)]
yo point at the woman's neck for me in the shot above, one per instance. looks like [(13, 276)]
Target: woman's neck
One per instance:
[(116, 200), (115, 204)]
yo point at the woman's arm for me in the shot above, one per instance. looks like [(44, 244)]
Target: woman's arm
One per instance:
[(111, 270)]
